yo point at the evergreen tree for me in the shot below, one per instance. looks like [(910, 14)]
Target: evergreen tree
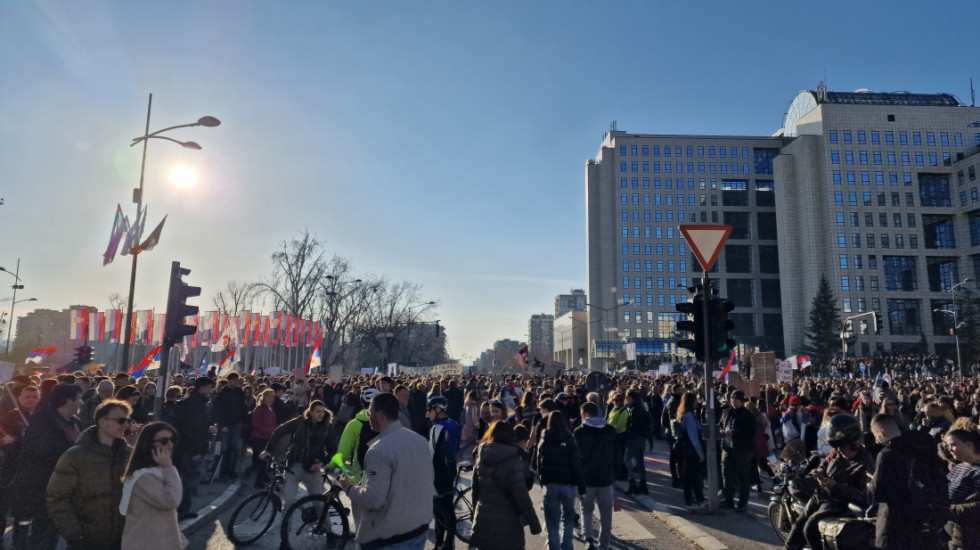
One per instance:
[(823, 330)]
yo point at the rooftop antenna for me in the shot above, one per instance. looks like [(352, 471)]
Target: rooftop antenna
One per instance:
[(612, 125), (973, 94)]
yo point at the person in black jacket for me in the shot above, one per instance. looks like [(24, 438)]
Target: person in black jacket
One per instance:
[(559, 469), (596, 440), (310, 449), (638, 429), (53, 430), (738, 433), (230, 413), (904, 517), (192, 421), (667, 416)]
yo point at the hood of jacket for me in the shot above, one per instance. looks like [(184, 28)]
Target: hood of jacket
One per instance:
[(495, 453), (595, 422), (90, 440), (362, 415)]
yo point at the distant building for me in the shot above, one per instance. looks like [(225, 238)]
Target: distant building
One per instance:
[(571, 342), (576, 301), (503, 351), (540, 332)]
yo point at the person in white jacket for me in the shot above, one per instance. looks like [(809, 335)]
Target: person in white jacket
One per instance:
[(152, 491)]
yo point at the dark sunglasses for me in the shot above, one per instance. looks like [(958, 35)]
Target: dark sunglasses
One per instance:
[(165, 440), (121, 421)]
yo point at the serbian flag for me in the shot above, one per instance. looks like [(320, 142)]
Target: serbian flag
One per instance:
[(96, 326), (803, 362), (521, 357), (731, 361), (119, 228), (78, 322), (227, 365), (152, 358), (36, 355), (314, 360), (203, 368), (113, 324)]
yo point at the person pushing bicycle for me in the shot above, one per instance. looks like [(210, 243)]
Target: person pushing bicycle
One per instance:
[(444, 439)]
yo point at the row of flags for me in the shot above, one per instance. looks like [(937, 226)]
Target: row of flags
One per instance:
[(215, 329), (129, 236)]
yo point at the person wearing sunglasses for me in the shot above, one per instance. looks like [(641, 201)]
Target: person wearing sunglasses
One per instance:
[(152, 491), (84, 491)]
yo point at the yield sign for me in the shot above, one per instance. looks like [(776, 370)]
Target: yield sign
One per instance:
[(706, 241)]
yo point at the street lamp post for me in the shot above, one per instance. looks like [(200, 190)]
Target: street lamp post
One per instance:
[(13, 301), (956, 328), (956, 337), (208, 122)]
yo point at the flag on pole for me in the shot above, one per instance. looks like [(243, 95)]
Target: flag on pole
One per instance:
[(113, 322), (724, 373), (521, 357), (154, 237), (37, 355), (119, 227), (227, 340), (78, 321), (152, 358), (803, 362), (227, 365), (132, 241), (314, 360), (96, 326)]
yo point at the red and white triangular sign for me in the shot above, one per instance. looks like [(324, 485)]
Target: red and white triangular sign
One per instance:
[(706, 241)]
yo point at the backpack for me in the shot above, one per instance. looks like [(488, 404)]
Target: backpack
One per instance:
[(365, 437)]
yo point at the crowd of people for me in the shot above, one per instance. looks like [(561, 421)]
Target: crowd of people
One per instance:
[(75, 439)]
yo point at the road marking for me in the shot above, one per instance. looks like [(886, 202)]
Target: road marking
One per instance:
[(626, 527)]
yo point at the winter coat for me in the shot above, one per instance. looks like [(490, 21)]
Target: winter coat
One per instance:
[(263, 422), (638, 423), (45, 440), (311, 441), (192, 421), (229, 406), (742, 424), (151, 518), (503, 505), (596, 444), (84, 491), (900, 512), (471, 422), (557, 460)]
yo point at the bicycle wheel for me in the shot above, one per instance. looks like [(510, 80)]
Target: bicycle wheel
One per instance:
[(253, 517), (464, 516), (315, 521)]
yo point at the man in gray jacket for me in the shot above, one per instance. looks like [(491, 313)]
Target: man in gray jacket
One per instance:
[(393, 502)]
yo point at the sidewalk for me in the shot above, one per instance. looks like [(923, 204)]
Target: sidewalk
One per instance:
[(209, 501), (711, 531)]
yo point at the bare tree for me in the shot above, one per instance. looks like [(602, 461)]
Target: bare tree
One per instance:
[(298, 269), (235, 297), (341, 307), (116, 301), (391, 314)]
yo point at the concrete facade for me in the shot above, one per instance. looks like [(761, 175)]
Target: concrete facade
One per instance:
[(540, 330)]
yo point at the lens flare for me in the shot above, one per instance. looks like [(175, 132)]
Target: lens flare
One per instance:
[(182, 176)]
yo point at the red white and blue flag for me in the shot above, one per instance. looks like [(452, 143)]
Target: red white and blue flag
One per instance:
[(803, 362), (314, 360), (732, 362), (152, 358), (37, 355)]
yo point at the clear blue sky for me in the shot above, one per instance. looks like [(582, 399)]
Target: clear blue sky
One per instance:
[(441, 142)]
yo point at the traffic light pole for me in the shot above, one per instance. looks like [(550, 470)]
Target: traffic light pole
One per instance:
[(174, 328), (709, 396)]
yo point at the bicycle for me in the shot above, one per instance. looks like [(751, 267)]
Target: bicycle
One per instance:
[(256, 514), (462, 506), (317, 521)]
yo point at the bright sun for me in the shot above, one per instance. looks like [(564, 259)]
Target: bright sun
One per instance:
[(182, 176)]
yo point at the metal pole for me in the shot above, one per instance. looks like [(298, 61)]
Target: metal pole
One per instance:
[(13, 302), (956, 335), (710, 418), (132, 274)]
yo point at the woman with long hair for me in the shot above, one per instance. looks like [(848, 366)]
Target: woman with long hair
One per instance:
[(262, 425), (484, 422), (503, 505), (690, 451), (559, 468), (471, 422), (964, 489), (152, 491)]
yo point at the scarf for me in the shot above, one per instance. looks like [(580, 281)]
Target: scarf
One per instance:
[(130, 482)]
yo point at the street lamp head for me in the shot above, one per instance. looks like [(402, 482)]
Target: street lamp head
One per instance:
[(208, 121), (190, 145)]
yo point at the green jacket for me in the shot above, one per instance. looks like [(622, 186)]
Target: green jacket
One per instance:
[(84, 491), (617, 418), (349, 441)]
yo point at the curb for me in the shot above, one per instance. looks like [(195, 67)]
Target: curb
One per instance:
[(684, 527), (210, 510)]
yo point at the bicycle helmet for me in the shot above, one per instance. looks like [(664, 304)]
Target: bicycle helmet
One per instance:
[(367, 395), (843, 430), (437, 401)]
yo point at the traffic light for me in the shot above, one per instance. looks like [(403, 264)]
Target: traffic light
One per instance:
[(695, 326), (719, 325), (83, 355), (174, 328), (879, 323)]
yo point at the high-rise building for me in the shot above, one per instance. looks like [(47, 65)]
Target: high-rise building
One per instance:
[(878, 193), (875, 191), (540, 333), (639, 188), (571, 339), (576, 301)]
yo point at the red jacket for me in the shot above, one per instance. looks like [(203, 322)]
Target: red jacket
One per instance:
[(263, 422)]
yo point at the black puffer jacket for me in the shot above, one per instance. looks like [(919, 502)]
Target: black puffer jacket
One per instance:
[(311, 441), (596, 442), (193, 423), (557, 460), (503, 506)]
